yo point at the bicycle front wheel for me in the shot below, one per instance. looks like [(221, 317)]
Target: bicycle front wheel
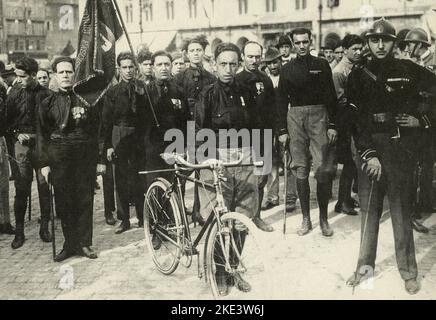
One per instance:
[(162, 227), (234, 251)]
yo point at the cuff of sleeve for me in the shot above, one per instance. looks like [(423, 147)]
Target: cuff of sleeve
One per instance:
[(282, 131), (425, 122), (331, 126), (368, 154)]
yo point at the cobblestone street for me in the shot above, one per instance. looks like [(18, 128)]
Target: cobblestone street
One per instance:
[(310, 267)]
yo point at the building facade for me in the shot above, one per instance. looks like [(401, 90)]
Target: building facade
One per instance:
[(163, 24)]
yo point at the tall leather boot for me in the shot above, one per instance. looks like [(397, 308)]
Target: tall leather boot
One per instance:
[(303, 190), (44, 233), (323, 194), (20, 206)]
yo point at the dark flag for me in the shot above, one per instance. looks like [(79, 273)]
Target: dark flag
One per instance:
[(95, 65)]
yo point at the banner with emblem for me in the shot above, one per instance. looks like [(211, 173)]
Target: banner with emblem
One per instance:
[(95, 65)]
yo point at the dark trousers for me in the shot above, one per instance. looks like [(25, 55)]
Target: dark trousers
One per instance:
[(397, 176), (26, 161), (73, 177), (129, 161)]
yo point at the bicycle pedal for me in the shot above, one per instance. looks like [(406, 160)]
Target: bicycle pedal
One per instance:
[(191, 252)]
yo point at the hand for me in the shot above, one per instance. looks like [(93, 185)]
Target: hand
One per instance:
[(405, 120), (283, 139), (373, 168), (101, 169), (332, 135), (45, 173), (23, 137), (110, 154)]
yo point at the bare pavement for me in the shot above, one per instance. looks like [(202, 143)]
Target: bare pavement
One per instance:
[(310, 267)]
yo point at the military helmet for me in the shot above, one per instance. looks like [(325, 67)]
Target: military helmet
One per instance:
[(417, 35), (382, 27)]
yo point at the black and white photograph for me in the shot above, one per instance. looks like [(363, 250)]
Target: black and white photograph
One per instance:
[(204, 150)]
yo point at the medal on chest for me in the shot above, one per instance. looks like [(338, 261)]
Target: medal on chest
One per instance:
[(78, 113), (177, 103), (260, 88)]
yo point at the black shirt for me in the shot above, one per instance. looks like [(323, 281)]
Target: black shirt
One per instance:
[(22, 107), (396, 91), (306, 81), (125, 105)]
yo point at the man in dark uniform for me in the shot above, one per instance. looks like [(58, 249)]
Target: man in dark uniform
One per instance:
[(21, 117), (124, 124), (306, 85), (226, 105), (260, 89), (390, 119), (192, 80), (69, 147), (172, 112)]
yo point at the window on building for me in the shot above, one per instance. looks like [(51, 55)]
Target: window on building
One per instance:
[(271, 5), (129, 12), (304, 4), (297, 4), (243, 6), (21, 45), (148, 10), (300, 4), (170, 9), (11, 45), (192, 8), (48, 26), (212, 4), (41, 45)]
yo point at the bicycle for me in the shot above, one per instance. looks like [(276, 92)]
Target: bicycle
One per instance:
[(232, 243)]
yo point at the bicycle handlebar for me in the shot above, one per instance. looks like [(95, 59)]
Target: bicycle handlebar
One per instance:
[(212, 164)]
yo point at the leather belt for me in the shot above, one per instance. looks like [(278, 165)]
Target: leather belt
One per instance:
[(309, 106)]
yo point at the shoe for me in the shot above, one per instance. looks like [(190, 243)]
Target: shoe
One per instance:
[(18, 241), (240, 283), (355, 203), (419, 227), (290, 206), (269, 204), (325, 228), (262, 225), (122, 228), (222, 283), (110, 220), (7, 229), (306, 227), (346, 209), (354, 280), (63, 255), (156, 242), (411, 286), (196, 217), (88, 253), (44, 234)]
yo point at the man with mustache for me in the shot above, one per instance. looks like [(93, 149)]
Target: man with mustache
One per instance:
[(68, 141), (307, 107), (273, 66), (124, 128), (352, 45), (261, 92), (390, 119)]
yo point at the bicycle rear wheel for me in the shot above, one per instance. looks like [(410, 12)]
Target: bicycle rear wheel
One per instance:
[(235, 250), (162, 222)]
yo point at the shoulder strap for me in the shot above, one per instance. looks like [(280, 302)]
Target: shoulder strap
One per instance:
[(376, 80)]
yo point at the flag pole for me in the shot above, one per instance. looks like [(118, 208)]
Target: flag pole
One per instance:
[(120, 18)]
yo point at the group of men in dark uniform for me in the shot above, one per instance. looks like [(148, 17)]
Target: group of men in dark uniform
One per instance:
[(380, 107)]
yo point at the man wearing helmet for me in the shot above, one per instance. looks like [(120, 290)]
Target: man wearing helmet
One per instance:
[(390, 119), (418, 48)]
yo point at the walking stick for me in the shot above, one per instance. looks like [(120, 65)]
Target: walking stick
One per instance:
[(52, 217), (364, 230), (285, 158), (30, 203)]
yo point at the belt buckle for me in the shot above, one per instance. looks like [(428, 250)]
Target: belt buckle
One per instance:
[(380, 117)]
